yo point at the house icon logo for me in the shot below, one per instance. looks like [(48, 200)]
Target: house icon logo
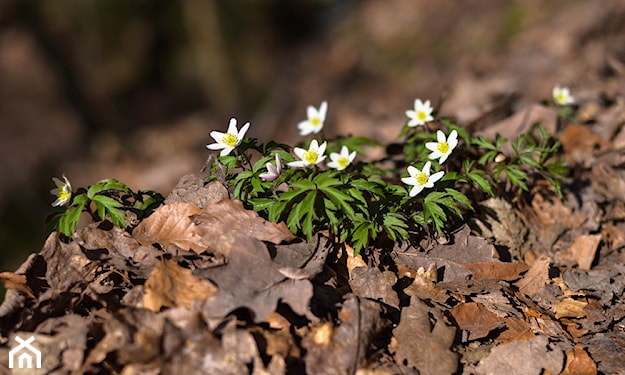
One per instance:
[(24, 353)]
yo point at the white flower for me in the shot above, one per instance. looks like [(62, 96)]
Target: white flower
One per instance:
[(63, 191), (272, 171), (422, 113), (342, 160), (443, 148), (228, 141), (562, 96), (315, 120), (421, 179), (314, 155)]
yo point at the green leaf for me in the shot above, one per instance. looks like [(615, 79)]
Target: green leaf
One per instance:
[(108, 184), (304, 185), (480, 181)]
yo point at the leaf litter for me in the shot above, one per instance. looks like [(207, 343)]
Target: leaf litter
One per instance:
[(203, 285)]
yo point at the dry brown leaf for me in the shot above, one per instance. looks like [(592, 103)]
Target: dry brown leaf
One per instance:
[(343, 349), (516, 329), (423, 345), (584, 248), (171, 285), (14, 281), (476, 319), (496, 270), (536, 278), (370, 282), (171, 224), (570, 308), (579, 143), (578, 362), (228, 216), (531, 357)]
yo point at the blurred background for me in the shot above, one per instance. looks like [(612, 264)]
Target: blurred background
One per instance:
[(131, 89)]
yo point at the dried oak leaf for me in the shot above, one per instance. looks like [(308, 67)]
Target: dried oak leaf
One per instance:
[(171, 285), (117, 248), (536, 278), (584, 248), (252, 279), (171, 224), (578, 362), (14, 281), (229, 216), (372, 283), (503, 223), (608, 351), (496, 270), (422, 345), (343, 349), (512, 358), (476, 319)]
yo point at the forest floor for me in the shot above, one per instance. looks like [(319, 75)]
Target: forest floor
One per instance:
[(531, 285)]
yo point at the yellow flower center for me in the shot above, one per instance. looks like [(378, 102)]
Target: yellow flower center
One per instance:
[(64, 194), (229, 140), (421, 178), (422, 115), (342, 162), (561, 98), (443, 147), (310, 156), (315, 121)]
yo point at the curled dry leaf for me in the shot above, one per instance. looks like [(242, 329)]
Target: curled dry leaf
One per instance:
[(476, 319), (171, 224), (229, 216), (14, 281), (584, 248), (171, 285)]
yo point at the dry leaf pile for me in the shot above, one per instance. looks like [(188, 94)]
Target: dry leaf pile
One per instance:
[(202, 285)]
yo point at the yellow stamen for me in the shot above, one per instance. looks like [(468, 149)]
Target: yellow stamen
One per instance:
[(443, 147), (310, 156), (342, 162), (64, 195), (421, 178), (422, 115), (315, 121), (229, 140)]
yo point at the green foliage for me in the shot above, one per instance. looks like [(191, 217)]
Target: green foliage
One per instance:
[(106, 199), (363, 205)]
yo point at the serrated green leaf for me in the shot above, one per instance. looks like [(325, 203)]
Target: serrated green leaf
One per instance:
[(303, 185), (108, 184)]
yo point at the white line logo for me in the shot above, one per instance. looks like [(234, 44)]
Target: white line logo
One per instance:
[(24, 352)]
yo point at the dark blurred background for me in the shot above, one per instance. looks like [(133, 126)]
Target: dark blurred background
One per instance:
[(131, 89)]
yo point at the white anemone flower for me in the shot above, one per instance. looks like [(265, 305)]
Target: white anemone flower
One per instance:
[(444, 146), (562, 96), (421, 114), (314, 155), (272, 171), (421, 179), (63, 191), (342, 160), (226, 142), (314, 122)]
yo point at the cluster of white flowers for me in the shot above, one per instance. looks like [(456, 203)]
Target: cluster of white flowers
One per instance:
[(315, 154)]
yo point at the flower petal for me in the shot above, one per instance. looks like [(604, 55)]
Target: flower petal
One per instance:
[(436, 176), (412, 171), (216, 146), (243, 131), (426, 168), (232, 126)]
